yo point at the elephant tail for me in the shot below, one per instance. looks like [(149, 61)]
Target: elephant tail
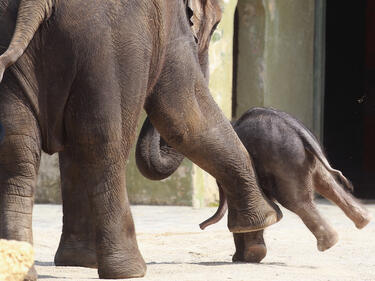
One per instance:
[(155, 159), (220, 212), (339, 177), (312, 145), (31, 14)]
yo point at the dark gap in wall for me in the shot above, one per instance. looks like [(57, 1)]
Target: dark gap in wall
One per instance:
[(349, 113)]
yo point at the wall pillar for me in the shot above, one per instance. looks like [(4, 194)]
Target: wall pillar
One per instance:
[(276, 57)]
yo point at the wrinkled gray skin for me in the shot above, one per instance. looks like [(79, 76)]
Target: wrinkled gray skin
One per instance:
[(76, 76), (290, 166)]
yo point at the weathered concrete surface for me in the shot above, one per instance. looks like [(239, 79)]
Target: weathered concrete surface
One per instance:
[(176, 249), (276, 57)]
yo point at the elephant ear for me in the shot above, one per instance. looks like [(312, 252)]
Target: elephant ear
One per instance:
[(195, 12), (204, 15)]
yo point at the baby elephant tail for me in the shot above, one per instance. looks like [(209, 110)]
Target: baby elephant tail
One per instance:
[(312, 145), (339, 177)]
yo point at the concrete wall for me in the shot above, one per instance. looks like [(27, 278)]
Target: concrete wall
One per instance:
[(276, 56)]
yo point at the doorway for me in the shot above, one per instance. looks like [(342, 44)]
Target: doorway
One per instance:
[(349, 103)]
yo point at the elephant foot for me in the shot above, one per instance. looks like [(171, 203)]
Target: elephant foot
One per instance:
[(364, 219), (256, 219), (75, 252), (327, 241), (120, 267), (253, 254), (250, 247), (32, 275)]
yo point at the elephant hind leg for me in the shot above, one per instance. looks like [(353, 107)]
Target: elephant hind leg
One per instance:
[(326, 186), (325, 235), (77, 242), (296, 194)]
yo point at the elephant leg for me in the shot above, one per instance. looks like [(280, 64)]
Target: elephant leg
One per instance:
[(102, 178), (19, 163), (325, 235), (100, 123), (183, 111), (77, 242), (250, 247), (326, 186)]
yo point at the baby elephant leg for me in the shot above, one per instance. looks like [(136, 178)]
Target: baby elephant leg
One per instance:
[(330, 189), (325, 235), (250, 247)]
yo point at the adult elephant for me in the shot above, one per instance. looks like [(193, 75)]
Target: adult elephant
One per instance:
[(79, 74)]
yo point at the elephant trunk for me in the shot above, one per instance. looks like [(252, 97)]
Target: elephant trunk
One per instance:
[(155, 159), (220, 212), (31, 14)]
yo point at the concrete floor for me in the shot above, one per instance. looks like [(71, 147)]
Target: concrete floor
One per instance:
[(176, 249)]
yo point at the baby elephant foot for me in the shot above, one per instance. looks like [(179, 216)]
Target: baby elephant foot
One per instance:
[(327, 241), (76, 252), (364, 219), (250, 247)]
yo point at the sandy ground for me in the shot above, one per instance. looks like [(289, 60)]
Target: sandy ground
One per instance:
[(176, 249)]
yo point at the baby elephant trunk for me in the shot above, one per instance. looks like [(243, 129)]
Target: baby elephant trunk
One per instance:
[(220, 212)]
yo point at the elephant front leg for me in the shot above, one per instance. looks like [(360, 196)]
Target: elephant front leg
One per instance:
[(185, 114), (250, 247), (77, 242), (19, 163)]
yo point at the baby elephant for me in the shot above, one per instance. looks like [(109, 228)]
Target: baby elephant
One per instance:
[(290, 166)]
